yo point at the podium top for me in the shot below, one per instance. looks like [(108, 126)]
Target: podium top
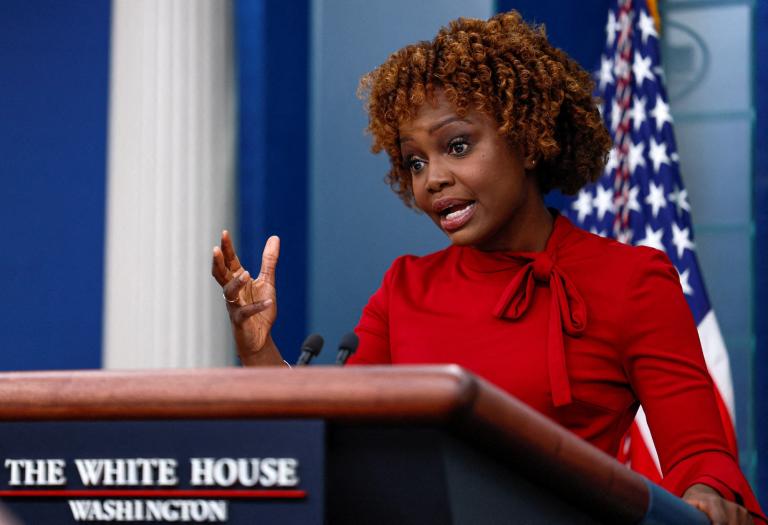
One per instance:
[(446, 396)]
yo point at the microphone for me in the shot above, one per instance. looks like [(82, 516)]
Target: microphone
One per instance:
[(347, 347), (309, 349)]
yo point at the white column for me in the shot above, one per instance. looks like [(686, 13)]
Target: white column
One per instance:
[(171, 182)]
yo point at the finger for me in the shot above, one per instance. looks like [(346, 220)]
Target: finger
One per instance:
[(707, 508), (738, 514), (719, 511), (230, 257), (717, 514), (218, 269), (233, 287), (249, 310), (269, 259)]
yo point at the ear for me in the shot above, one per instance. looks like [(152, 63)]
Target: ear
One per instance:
[(530, 155)]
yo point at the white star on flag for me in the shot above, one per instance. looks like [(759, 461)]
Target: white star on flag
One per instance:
[(603, 201), (681, 238), (652, 238), (611, 27), (680, 198), (633, 204), (660, 113), (606, 75), (637, 112), (687, 290), (583, 204), (613, 161), (636, 156), (647, 26), (641, 67), (655, 198), (658, 154)]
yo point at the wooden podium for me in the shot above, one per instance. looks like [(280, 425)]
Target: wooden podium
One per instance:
[(402, 444)]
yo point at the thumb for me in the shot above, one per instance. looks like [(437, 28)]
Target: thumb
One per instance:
[(269, 259)]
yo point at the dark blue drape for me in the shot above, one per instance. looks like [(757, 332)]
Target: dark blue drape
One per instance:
[(576, 27), (54, 77), (272, 48)]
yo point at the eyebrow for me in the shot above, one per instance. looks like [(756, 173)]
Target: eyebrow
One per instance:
[(438, 125)]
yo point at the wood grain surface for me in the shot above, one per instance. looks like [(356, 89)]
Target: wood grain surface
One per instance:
[(443, 395)]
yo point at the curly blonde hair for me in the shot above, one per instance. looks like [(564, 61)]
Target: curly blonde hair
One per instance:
[(539, 96)]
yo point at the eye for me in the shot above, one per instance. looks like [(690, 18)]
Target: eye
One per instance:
[(458, 146), (414, 164)]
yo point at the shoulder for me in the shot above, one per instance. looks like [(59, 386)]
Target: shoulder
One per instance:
[(603, 266), (415, 266), (592, 253)]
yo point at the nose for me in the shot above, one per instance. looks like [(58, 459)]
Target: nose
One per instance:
[(439, 177)]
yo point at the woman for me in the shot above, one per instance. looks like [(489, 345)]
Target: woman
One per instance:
[(479, 124)]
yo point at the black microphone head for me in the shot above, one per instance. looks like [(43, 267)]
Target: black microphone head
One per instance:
[(349, 342), (313, 344)]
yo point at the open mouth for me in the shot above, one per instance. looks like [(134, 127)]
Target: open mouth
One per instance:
[(456, 216)]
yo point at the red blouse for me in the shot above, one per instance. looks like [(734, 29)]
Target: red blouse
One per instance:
[(584, 332)]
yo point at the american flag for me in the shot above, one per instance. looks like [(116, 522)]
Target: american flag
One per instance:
[(641, 200)]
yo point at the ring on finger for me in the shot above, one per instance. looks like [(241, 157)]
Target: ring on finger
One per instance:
[(230, 301)]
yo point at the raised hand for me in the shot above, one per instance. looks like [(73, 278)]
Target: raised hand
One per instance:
[(251, 303)]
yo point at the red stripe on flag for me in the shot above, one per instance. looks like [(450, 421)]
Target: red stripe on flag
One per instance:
[(725, 418), (638, 456)]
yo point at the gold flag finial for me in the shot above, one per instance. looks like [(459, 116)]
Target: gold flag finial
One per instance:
[(653, 7)]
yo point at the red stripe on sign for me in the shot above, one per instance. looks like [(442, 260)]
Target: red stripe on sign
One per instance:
[(218, 493)]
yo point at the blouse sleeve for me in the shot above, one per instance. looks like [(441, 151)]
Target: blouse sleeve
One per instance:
[(666, 368), (373, 328)]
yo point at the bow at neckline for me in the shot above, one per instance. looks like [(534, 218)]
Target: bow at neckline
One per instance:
[(567, 310), (567, 313)]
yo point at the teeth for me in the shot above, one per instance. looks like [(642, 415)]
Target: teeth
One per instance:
[(458, 213)]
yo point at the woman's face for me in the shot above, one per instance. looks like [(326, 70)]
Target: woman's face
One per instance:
[(466, 177)]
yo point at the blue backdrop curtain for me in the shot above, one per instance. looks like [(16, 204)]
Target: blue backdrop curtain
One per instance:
[(272, 56), (54, 84)]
